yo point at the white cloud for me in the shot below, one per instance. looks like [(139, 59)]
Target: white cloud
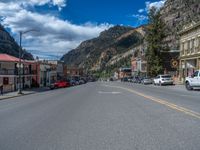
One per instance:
[(54, 36), (140, 17), (141, 10), (59, 3), (157, 4)]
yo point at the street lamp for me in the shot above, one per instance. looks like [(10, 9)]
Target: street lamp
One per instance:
[(20, 62)]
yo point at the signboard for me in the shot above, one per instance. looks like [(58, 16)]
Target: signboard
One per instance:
[(19, 66)]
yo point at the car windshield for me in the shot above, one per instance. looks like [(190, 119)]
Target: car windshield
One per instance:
[(166, 76)]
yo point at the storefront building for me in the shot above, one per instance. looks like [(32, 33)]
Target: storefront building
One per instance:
[(189, 50)]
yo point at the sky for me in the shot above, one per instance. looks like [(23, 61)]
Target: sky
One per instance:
[(58, 26)]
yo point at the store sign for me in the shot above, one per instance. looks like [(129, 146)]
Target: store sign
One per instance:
[(19, 66), (174, 63)]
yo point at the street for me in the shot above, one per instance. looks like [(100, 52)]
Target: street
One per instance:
[(102, 116)]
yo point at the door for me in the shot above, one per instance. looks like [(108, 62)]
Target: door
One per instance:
[(195, 79)]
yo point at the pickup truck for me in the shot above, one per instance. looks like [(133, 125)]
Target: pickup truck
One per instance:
[(193, 81)]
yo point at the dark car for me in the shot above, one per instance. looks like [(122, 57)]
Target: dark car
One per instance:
[(125, 79)]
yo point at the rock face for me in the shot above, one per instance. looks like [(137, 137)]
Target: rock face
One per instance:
[(94, 54), (9, 46), (176, 14)]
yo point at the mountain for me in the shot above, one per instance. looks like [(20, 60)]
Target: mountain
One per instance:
[(9, 46), (94, 54), (176, 14)]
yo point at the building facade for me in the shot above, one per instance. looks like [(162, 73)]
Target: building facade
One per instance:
[(138, 61), (124, 72), (58, 67), (9, 77), (189, 50)]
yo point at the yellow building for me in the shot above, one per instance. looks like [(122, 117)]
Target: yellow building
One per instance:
[(189, 50)]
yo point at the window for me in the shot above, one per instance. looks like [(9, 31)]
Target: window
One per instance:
[(198, 44), (192, 45), (5, 80), (182, 49), (196, 74), (188, 47)]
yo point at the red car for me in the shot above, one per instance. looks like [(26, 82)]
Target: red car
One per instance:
[(60, 84)]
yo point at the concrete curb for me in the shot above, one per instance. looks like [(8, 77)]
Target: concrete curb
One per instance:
[(10, 97)]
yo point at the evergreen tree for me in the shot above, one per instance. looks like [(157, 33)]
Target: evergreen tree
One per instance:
[(155, 36)]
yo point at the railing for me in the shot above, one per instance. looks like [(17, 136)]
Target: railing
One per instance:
[(15, 72), (8, 71)]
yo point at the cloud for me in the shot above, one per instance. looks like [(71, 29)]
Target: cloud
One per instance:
[(141, 10), (157, 4), (52, 35), (25, 3), (141, 16)]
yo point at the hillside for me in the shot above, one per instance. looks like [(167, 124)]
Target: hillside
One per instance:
[(9, 46), (94, 54)]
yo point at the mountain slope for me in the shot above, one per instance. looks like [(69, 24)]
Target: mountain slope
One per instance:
[(95, 53), (9, 46)]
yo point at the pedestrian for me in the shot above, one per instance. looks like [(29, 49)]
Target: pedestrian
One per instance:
[(1, 89)]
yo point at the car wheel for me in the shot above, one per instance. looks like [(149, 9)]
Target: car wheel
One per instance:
[(188, 87)]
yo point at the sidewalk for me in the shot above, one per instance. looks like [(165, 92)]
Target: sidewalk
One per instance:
[(25, 92)]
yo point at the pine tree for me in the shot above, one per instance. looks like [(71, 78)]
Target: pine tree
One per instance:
[(155, 36)]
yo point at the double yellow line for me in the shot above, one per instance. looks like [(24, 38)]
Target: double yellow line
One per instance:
[(161, 101)]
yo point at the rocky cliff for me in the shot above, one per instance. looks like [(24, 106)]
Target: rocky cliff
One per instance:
[(9, 46), (176, 14)]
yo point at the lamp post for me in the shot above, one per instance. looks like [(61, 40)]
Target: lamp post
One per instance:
[(20, 62)]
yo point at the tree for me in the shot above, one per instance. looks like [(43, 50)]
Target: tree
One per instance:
[(155, 36)]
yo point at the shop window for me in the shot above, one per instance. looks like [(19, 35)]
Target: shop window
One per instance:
[(182, 49), (5, 80), (188, 47)]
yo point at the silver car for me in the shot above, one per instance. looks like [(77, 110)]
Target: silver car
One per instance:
[(146, 80)]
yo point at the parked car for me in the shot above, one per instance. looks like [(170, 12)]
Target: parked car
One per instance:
[(146, 80), (59, 84), (125, 79), (193, 81), (137, 79), (72, 82), (82, 81), (163, 80)]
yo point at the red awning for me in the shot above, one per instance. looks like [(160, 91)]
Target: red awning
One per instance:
[(8, 58)]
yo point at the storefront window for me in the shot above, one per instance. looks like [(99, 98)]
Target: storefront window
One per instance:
[(188, 47), (199, 44), (192, 46), (5, 80)]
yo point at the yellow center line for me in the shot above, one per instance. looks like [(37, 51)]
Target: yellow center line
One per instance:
[(161, 101)]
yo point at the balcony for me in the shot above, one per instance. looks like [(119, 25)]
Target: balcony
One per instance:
[(8, 71), (15, 72)]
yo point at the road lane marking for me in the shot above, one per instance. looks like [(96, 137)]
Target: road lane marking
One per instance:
[(161, 101), (102, 92)]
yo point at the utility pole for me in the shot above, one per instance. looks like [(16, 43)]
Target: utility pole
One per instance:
[(19, 67), (20, 61)]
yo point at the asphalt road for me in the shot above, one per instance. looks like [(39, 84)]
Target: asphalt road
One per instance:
[(102, 116)]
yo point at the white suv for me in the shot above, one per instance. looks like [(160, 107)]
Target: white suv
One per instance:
[(193, 81), (163, 80)]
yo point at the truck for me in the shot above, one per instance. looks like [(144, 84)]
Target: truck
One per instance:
[(193, 81)]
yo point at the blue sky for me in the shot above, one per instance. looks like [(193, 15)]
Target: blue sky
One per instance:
[(61, 25)]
